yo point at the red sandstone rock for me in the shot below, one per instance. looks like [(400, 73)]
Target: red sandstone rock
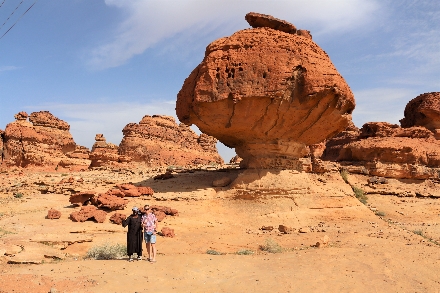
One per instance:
[(424, 110), (82, 197), (53, 214), (45, 141), (143, 190), (117, 218), (1, 145), (285, 229), (158, 141), (103, 153), (111, 202), (166, 175), (129, 190), (159, 215), (117, 192), (166, 210), (263, 20), (167, 232), (267, 94), (88, 212), (235, 160)]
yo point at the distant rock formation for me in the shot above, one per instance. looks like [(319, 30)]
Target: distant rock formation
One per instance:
[(158, 141), (103, 153), (269, 92), (424, 110), (43, 141)]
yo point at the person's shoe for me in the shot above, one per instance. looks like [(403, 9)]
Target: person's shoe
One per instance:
[(130, 259), (139, 257)]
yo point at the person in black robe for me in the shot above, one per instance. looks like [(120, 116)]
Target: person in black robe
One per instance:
[(134, 234)]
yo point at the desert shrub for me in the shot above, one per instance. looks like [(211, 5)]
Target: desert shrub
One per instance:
[(271, 246), (380, 214), (64, 175), (344, 175), (245, 252), (213, 252), (418, 232), (107, 251), (359, 193), (18, 195)]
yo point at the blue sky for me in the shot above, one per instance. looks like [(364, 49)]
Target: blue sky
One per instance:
[(101, 64)]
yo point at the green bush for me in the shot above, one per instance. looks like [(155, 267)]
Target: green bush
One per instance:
[(245, 252), (418, 232), (380, 214), (359, 193), (107, 251), (271, 246), (18, 195)]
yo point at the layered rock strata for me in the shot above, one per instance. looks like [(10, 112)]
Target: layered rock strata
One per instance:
[(158, 141), (388, 150), (43, 141), (103, 153), (267, 93)]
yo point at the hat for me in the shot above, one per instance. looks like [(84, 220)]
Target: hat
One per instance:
[(135, 209)]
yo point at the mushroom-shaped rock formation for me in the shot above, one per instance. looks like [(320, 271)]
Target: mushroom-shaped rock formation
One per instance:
[(268, 94), (424, 110)]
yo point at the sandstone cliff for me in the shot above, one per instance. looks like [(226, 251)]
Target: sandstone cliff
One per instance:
[(43, 141), (267, 93)]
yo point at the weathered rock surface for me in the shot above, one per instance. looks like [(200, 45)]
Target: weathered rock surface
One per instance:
[(82, 197), (103, 153), (1, 144), (110, 201), (158, 141), (167, 232), (263, 20), (88, 212), (117, 218), (424, 110), (53, 214), (268, 94), (43, 141), (387, 150)]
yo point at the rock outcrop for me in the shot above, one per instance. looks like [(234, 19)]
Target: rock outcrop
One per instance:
[(88, 213), (103, 153), (43, 141), (268, 94), (388, 150), (158, 141), (53, 214), (424, 110)]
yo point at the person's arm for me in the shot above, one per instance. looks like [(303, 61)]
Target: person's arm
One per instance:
[(126, 221), (156, 225)]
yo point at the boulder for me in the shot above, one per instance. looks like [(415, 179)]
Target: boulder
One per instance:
[(285, 229), (53, 214), (268, 94), (82, 197), (167, 232), (129, 190), (158, 141), (43, 141), (110, 201), (263, 20), (424, 110), (88, 212), (143, 190), (117, 218)]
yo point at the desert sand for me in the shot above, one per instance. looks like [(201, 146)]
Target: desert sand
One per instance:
[(335, 243)]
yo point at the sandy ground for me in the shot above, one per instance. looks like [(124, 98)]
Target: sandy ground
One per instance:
[(389, 245)]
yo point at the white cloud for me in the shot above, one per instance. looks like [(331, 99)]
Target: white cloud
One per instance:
[(8, 68), (381, 105), (150, 21)]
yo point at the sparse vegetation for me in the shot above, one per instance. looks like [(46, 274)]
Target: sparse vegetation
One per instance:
[(380, 213), (360, 195), (344, 175), (245, 252), (213, 252), (418, 232), (64, 175), (107, 251), (18, 195), (271, 246)]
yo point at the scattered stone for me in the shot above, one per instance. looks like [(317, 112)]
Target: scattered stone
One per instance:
[(117, 218), (88, 212), (82, 197), (304, 230), (111, 202), (267, 228), (53, 214), (166, 175), (167, 232), (285, 229)]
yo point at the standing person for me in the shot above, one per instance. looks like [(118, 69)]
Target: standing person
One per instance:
[(149, 222), (134, 234)]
